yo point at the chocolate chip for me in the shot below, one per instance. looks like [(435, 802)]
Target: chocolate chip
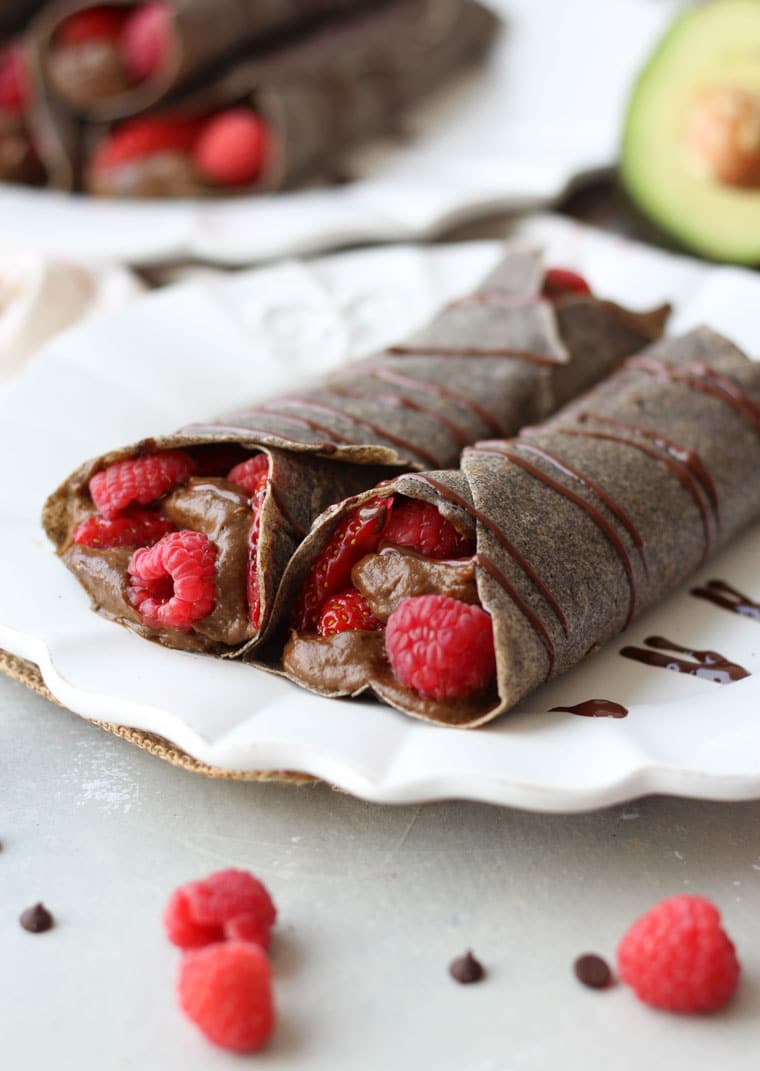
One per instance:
[(466, 969), (592, 971), (36, 919)]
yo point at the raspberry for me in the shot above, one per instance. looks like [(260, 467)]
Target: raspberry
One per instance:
[(226, 990), (251, 474), (419, 526), (145, 40), (14, 79), (440, 647), (232, 147), (677, 957), (355, 535), (141, 138), (173, 583), (561, 281), (228, 904), (141, 479), (92, 24), (135, 529), (347, 612)]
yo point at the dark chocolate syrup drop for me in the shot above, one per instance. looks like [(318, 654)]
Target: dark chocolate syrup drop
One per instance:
[(707, 665), (595, 708), (722, 594), (36, 919), (466, 969)]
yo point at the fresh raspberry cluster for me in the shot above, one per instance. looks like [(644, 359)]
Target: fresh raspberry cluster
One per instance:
[(139, 479), (173, 583), (223, 926)]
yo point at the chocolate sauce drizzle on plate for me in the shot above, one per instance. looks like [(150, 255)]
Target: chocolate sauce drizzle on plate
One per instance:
[(707, 665), (722, 594), (595, 708)]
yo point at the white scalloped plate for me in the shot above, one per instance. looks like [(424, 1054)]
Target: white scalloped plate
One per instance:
[(197, 348), (545, 110)]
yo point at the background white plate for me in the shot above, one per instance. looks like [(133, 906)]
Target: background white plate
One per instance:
[(545, 110), (195, 349)]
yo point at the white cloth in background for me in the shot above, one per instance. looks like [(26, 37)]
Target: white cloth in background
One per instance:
[(40, 296)]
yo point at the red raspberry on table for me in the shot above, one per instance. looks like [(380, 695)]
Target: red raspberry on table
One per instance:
[(14, 79), (146, 39), (440, 647), (141, 138), (678, 958), (419, 526), (173, 583), (226, 990), (356, 535), (347, 612), (140, 479), (251, 474), (137, 528), (561, 281), (232, 147), (91, 24), (226, 904)]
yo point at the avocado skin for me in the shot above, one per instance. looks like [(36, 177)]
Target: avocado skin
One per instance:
[(720, 223)]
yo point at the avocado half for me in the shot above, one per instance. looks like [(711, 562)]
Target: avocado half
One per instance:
[(712, 49)]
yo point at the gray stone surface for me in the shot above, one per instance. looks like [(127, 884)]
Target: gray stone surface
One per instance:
[(373, 902)]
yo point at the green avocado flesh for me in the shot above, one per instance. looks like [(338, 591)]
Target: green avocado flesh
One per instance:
[(711, 47)]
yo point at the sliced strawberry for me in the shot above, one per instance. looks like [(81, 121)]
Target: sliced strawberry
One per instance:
[(137, 528), (100, 23), (355, 536), (142, 138), (14, 79), (252, 589), (347, 612), (561, 281)]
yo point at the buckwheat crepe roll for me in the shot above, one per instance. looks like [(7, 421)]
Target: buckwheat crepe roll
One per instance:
[(191, 38), (313, 97), (567, 533), (253, 482)]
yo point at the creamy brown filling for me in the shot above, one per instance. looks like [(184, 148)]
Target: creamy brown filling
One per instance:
[(205, 504), (165, 174), (88, 72), (348, 662)]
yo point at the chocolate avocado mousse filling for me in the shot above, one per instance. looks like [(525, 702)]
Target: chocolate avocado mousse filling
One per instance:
[(209, 505)]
